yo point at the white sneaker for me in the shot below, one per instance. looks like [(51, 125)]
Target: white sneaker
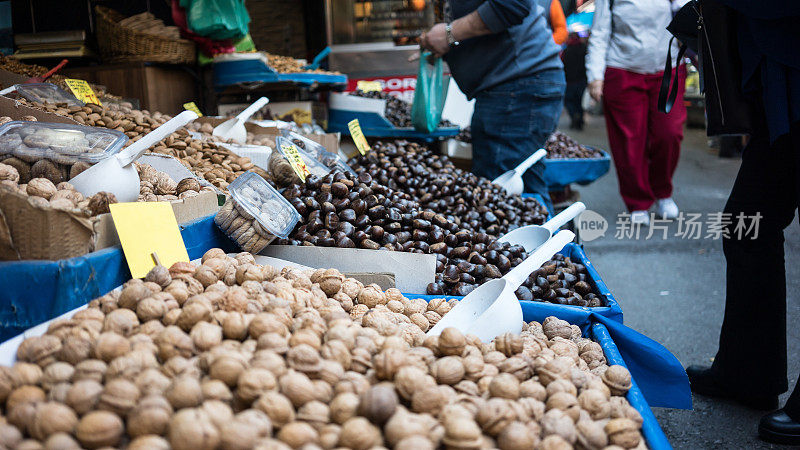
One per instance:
[(640, 218), (666, 208)]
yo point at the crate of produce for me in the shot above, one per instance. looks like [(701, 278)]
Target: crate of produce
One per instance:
[(379, 116), (569, 162), (253, 68), (609, 309), (257, 379)]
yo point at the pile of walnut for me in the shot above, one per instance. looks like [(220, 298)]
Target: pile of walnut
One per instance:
[(203, 157), (157, 186), (234, 355)]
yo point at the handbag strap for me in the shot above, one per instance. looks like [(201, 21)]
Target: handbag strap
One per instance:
[(669, 86)]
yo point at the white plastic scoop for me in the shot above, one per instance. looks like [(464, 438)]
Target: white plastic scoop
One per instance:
[(492, 308), (511, 181), (532, 236), (117, 174), (234, 128)]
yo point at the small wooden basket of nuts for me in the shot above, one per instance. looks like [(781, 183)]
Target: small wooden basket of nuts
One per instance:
[(255, 213)]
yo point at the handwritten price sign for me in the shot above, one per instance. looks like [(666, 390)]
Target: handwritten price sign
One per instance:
[(81, 90), (191, 106), (358, 136), (296, 161)]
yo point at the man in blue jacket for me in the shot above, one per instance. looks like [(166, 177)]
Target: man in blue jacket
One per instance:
[(501, 53)]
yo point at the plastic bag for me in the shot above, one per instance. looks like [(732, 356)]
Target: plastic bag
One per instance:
[(429, 95), (217, 19)]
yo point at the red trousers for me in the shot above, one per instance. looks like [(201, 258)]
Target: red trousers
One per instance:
[(645, 143)]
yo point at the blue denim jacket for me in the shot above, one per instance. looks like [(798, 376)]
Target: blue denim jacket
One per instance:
[(520, 45)]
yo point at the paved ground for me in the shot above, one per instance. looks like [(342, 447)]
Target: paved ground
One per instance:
[(673, 290)]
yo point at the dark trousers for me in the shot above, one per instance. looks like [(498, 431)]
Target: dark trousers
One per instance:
[(573, 101), (752, 343), (513, 120)]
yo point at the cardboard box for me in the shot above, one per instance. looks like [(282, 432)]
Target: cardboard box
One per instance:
[(412, 271), (27, 232), (298, 112)]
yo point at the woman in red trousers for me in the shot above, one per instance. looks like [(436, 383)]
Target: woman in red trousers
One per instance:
[(624, 64)]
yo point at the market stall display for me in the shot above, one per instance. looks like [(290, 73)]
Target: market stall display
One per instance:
[(398, 112), (561, 146), (147, 366), (570, 162)]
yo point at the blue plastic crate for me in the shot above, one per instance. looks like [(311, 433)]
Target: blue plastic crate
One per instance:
[(229, 73), (375, 125), (562, 172)]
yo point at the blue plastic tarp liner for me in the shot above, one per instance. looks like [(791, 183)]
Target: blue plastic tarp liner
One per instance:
[(562, 172), (375, 125), (229, 73), (37, 291)]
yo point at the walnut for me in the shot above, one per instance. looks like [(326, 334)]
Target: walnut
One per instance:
[(165, 186), (159, 275), (61, 441), (10, 436), (192, 429), (83, 395), (227, 368), (556, 442), (23, 169), (623, 432), (149, 442), (253, 383), (78, 168), (304, 358), (277, 407), (410, 379), (217, 412), (404, 424), (618, 379), (111, 345), (372, 296), (99, 429), (504, 385), (378, 403), (206, 335), (298, 434), (119, 396), (565, 402), (172, 341), (517, 436), (150, 416), (557, 422), (184, 392), (429, 400), (39, 350), (241, 433), (187, 184), (55, 373), (315, 413), (388, 362), (415, 442), (216, 390), (121, 321), (51, 418), (90, 369), (561, 385), (99, 203), (555, 369), (508, 344), (41, 187), (357, 433), (8, 173), (152, 381), (352, 287), (463, 433), (553, 326), (495, 416), (448, 370)]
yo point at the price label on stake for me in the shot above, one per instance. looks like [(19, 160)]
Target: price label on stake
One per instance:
[(369, 86), (296, 161), (358, 136), (145, 228), (82, 91), (191, 106)]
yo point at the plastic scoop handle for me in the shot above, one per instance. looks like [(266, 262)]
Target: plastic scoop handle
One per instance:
[(49, 72), (135, 150), (533, 159), (564, 216), (541, 255), (250, 110)]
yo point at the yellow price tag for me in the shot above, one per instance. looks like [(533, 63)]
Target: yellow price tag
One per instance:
[(358, 136), (82, 91), (296, 161), (145, 228), (191, 106), (369, 86)]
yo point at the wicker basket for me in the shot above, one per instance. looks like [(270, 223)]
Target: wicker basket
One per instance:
[(121, 44)]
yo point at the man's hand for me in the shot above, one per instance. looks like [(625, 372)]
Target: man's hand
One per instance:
[(596, 90), (435, 40)]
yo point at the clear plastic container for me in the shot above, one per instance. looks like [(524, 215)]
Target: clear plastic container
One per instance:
[(255, 213), (281, 170), (46, 93), (315, 150), (58, 142)]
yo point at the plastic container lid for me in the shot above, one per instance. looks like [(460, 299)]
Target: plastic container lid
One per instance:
[(46, 93), (314, 150), (314, 166), (61, 143), (264, 203)]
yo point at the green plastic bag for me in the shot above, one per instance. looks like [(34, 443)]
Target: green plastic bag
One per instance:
[(217, 19), (429, 95)]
